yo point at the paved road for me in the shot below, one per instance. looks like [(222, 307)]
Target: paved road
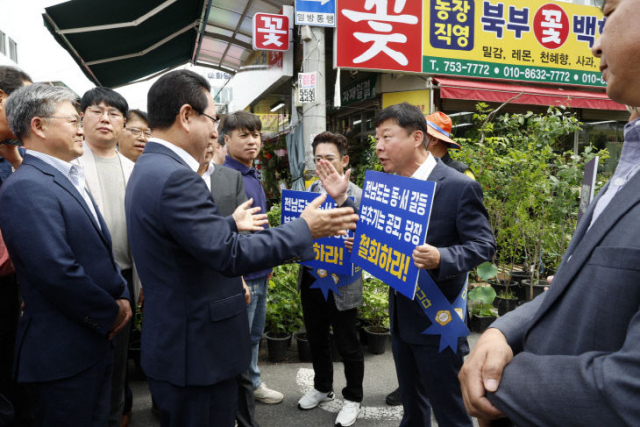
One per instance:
[(294, 379)]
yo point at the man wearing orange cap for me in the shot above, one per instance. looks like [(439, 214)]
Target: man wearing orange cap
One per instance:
[(439, 142)]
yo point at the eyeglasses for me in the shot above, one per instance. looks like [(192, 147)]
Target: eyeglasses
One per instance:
[(99, 112), (75, 120), (136, 132), (215, 121), (317, 159)]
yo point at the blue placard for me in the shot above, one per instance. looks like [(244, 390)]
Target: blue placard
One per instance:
[(394, 216), (321, 13), (331, 254)]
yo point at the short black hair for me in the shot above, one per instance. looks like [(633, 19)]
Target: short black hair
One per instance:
[(241, 120), (339, 140), (407, 116), (171, 92), (12, 78), (109, 97), (132, 114)]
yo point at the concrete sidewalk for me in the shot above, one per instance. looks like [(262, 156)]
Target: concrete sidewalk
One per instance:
[(293, 379)]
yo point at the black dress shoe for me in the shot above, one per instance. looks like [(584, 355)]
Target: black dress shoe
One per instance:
[(393, 398)]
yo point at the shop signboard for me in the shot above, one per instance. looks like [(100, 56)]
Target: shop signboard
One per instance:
[(363, 90), (318, 13), (379, 35), (270, 32), (538, 41)]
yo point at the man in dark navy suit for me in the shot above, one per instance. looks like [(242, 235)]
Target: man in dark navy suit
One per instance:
[(75, 297), (459, 238), (195, 337)]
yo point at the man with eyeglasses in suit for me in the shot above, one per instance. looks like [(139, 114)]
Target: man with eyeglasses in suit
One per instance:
[(75, 298)]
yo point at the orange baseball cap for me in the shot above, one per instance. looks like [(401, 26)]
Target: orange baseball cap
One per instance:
[(439, 126)]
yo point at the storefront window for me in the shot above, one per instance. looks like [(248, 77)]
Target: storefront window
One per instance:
[(607, 134)]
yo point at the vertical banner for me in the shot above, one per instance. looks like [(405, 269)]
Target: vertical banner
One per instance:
[(331, 254), (588, 185), (307, 88), (394, 216)]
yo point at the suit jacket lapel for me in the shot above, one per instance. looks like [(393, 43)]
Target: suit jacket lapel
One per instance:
[(64, 182), (437, 175), (586, 239), (91, 175)]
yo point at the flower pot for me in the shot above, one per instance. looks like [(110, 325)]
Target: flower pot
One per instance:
[(519, 276), (505, 305), (481, 323), (304, 348), (277, 345), (377, 339), (538, 288), (501, 287)]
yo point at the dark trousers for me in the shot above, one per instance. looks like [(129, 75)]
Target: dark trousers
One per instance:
[(120, 362), (202, 406), (81, 400), (319, 316), (16, 394), (246, 413), (428, 377)]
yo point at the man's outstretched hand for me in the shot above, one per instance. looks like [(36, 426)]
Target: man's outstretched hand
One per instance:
[(247, 218), (481, 373), (328, 222)]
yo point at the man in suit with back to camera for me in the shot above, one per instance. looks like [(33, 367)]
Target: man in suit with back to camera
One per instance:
[(571, 357), (195, 339), (75, 297), (459, 238)]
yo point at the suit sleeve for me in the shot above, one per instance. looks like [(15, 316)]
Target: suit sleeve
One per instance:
[(515, 324), (196, 225), (241, 195), (477, 243), (594, 388), (36, 239)]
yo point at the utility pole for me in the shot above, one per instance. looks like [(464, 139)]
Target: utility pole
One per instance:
[(314, 114)]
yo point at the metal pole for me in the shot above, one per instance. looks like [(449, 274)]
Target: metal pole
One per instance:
[(314, 114)]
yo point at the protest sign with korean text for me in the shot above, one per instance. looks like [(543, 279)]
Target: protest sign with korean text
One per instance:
[(394, 217), (270, 32), (331, 254)]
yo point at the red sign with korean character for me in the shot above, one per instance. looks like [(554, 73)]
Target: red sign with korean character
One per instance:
[(551, 26), (380, 35), (270, 32)]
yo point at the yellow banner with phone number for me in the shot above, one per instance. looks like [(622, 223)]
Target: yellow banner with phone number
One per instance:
[(538, 41)]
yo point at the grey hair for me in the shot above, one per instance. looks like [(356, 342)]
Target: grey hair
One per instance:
[(37, 100)]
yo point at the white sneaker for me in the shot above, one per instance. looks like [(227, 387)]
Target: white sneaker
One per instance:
[(348, 414), (265, 395), (313, 398)]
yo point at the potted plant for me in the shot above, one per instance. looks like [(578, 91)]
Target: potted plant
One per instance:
[(284, 310), (481, 310), (375, 313)]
